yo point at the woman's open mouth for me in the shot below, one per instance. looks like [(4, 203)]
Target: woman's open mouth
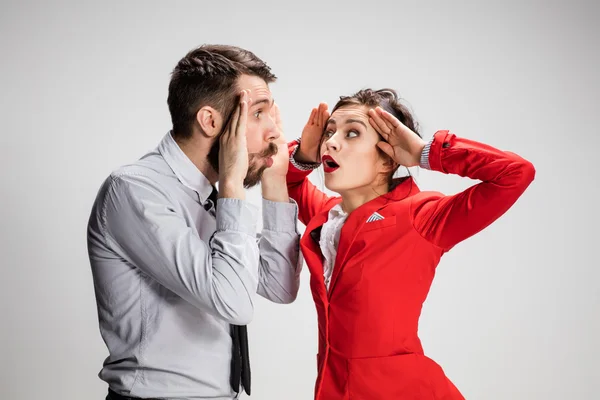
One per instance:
[(329, 164)]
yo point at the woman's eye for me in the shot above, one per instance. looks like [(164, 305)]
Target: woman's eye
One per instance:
[(352, 134), (257, 114), (328, 134)]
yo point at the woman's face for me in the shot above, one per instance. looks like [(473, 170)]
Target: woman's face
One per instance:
[(349, 152)]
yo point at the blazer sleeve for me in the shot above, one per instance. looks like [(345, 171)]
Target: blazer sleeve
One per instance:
[(447, 220), (309, 198)]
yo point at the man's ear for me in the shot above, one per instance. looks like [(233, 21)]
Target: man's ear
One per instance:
[(210, 121)]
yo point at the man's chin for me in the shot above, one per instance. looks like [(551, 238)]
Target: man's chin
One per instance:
[(254, 176), (250, 184)]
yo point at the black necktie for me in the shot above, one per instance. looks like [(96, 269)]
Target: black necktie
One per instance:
[(240, 360), (212, 200)]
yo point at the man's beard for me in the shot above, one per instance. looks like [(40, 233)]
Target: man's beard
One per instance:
[(255, 165)]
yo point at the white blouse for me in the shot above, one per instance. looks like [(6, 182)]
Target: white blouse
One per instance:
[(330, 237)]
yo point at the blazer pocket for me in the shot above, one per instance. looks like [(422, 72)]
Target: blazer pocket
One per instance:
[(382, 223)]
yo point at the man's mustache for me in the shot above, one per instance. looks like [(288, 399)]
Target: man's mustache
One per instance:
[(268, 152)]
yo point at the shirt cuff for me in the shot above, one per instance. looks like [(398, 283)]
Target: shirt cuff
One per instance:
[(236, 215), (424, 162), (279, 216), (299, 165)]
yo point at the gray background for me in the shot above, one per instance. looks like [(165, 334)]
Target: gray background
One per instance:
[(513, 312)]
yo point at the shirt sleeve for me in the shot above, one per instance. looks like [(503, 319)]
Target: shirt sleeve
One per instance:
[(146, 227), (280, 261), (299, 165), (424, 161)]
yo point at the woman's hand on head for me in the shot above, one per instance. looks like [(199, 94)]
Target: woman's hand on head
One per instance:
[(399, 142), (311, 135)]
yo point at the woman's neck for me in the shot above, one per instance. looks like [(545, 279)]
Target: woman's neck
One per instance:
[(354, 198)]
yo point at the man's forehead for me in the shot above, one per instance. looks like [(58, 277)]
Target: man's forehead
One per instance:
[(261, 96), (258, 88)]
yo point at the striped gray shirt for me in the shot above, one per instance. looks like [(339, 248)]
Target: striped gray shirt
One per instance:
[(171, 276)]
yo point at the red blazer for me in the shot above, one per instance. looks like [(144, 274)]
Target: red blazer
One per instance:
[(368, 343)]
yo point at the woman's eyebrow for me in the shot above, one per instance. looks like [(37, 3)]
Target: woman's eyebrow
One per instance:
[(351, 120)]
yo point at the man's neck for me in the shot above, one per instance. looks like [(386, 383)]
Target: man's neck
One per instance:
[(197, 151)]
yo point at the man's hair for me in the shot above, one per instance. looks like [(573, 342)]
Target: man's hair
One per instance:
[(207, 75)]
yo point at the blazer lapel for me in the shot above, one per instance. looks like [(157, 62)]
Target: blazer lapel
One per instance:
[(350, 230), (312, 251), (358, 218)]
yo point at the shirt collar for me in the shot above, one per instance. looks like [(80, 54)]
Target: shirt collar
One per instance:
[(337, 211), (185, 170)]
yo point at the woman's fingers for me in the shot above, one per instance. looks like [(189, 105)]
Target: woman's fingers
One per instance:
[(379, 124), (312, 119), (386, 148), (322, 114), (389, 118)]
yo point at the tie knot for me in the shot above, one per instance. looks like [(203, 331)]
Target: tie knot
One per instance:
[(212, 199)]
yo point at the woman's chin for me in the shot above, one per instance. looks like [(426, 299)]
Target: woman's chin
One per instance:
[(333, 186), (330, 183)]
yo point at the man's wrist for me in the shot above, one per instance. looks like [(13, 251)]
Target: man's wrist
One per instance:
[(275, 189), (232, 190)]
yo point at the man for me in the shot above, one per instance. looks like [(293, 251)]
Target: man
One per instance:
[(176, 270)]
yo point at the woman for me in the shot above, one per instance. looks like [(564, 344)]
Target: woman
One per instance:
[(373, 250)]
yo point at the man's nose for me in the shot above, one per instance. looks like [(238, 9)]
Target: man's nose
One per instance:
[(273, 131)]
